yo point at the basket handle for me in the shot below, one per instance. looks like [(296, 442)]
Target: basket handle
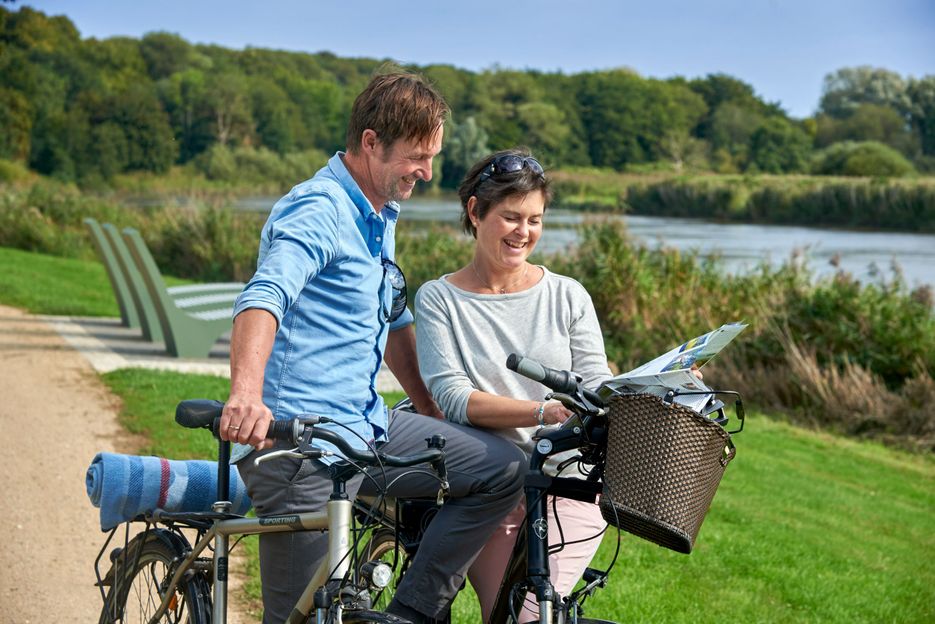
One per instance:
[(738, 403)]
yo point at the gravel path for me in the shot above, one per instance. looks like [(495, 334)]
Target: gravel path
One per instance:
[(55, 414)]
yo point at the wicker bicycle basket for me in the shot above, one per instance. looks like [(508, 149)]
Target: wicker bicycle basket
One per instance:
[(664, 464)]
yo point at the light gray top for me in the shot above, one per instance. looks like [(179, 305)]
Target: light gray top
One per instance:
[(464, 339)]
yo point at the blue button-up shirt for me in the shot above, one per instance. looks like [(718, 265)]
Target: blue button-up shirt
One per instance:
[(320, 273)]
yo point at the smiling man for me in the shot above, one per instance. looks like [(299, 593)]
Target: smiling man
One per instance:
[(311, 330)]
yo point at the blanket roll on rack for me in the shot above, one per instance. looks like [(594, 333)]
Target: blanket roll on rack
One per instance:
[(125, 486)]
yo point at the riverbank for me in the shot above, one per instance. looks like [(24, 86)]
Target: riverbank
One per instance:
[(890, 204)]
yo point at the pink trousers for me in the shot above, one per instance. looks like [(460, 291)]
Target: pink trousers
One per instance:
[(579, 521)]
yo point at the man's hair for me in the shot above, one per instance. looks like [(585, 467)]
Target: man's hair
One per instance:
[(397, 105), (493, 190)]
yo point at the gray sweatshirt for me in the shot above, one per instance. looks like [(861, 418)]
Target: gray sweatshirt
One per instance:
[(464, 339)]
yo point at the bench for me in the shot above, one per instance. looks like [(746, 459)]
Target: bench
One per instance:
[(188, 318)]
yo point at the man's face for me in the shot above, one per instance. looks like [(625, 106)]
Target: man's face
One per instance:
[(396, 169)]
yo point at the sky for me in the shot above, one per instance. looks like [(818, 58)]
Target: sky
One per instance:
[(782, 48)]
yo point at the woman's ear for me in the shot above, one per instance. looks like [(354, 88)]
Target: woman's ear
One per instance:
[(472, 209)]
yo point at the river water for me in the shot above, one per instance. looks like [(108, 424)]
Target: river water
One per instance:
[(740, 246)]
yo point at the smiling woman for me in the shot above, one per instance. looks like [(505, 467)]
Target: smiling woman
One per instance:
[(499, 303)]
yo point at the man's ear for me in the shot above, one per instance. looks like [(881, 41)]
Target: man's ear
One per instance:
[(369, 141)]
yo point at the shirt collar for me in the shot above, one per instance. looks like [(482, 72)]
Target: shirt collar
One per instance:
[(347, 181)]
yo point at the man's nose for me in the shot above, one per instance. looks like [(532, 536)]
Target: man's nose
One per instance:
[(425, 170)]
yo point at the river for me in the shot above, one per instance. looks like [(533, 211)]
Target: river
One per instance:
[(741, 246)]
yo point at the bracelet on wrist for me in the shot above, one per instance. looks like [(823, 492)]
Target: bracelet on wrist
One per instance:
[(539, 414)]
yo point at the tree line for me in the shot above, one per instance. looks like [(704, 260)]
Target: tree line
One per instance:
[(88, 109)]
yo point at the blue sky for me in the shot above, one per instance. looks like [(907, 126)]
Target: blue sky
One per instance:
[(783, 48)]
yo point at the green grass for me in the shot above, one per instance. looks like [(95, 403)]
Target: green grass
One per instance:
[(44, 284), (806, 526)]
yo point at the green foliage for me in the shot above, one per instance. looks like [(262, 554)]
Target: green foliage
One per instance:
[(868, 122), (866, 203), (778, 146), (847, 88), (855, 357), (465, 144), (922, 112), (259, 167), (90, 111), (424, 255), (865, 158)]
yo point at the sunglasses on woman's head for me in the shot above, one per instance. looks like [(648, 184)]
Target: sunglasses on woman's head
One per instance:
[(507, 164)]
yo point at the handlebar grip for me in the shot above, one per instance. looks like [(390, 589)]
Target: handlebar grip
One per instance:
[(559, 381), (281, 430)]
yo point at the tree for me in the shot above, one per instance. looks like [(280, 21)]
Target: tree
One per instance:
[(778, 146), (846, 89), (465, 144), (16, 120), (149, 137), (730, 131), (868, 122), (225, 96), (276, 116), (545, 130), (183, 96), (165, 54), (922, 112)]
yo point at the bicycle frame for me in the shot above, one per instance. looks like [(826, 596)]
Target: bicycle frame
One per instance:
[(538, 485), (336, 519)]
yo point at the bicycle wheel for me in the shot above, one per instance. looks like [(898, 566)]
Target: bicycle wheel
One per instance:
[(141, 574), (382, 546)]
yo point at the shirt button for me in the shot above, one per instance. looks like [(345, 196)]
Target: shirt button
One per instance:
[(379, 238)]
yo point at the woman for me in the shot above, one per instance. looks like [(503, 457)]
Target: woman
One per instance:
[(469, 321)]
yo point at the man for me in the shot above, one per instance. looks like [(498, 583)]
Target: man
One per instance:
[(310, 331)]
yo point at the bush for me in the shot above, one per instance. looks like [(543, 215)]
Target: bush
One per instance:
[(863, 158), (835, 352), (260, 167)]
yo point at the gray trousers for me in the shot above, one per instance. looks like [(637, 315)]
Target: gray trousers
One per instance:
[(486, 475)]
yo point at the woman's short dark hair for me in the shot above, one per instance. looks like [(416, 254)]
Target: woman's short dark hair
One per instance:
[(493, 189)]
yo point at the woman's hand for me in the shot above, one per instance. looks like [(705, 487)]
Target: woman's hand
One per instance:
[(554, 413)]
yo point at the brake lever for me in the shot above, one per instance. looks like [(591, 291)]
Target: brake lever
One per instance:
[(291, 453), (576, 405)]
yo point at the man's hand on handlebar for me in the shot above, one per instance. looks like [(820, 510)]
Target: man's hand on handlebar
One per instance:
[(246, 420)]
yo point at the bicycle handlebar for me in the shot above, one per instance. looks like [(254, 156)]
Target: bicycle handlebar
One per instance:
[(205, 414), (564, 382)]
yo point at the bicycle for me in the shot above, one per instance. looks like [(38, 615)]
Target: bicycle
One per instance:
[(528, 572), (158, 576)]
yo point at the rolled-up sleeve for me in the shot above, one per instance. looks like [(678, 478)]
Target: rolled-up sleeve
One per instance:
[(299, 239), (440, 360)]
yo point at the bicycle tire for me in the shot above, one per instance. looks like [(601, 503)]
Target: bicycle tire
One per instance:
[(382, 546), (139, 575)]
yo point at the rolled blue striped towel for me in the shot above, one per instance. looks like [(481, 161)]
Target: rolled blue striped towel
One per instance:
[(125, 486)]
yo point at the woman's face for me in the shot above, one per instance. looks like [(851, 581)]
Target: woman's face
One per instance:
[(508, 233)]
